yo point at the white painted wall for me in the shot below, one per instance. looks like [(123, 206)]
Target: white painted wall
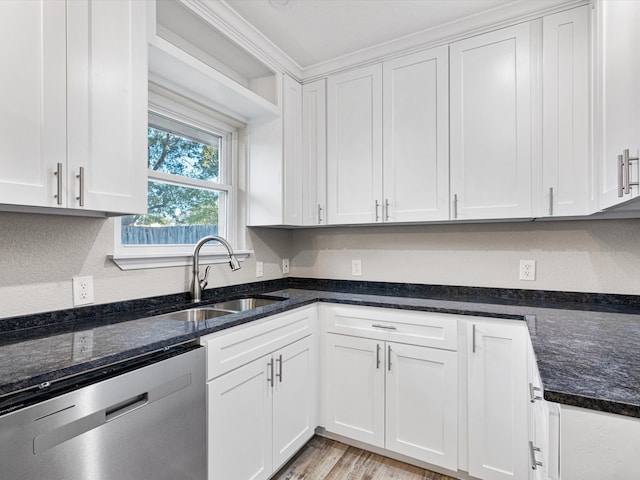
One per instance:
[(598, 445), (585, 256)]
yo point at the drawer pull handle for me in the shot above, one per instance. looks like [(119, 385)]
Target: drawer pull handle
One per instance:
[(386, 327)]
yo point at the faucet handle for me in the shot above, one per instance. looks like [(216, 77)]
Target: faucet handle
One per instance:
[(203, 280)]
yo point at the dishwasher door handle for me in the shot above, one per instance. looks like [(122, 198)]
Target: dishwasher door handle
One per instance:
[(75, 428), (125, 407)]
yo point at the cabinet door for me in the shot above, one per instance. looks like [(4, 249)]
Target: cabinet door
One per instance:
[(354, 146), (422, 404), (314, 154), (32, 102), (107, 105), (498, 401), (567, 169), (292, 128), (354, 388), (294, 403), (491, 125), (618, 95), (416, 137), (239, 423)]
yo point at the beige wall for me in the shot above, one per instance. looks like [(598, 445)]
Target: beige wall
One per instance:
[(585, 256), (39, 254)]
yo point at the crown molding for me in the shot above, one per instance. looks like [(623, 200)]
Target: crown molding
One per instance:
[(466, 27), (228, 22), (225, 19)]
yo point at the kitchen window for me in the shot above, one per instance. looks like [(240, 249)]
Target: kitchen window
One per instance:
[(191, 189)]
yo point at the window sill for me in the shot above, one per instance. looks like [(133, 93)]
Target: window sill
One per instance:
[(139, 261)]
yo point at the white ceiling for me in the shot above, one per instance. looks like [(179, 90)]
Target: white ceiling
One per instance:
[(315, 31)]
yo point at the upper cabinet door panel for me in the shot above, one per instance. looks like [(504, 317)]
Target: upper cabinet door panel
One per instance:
[(491, 125), (107, 104), (618, 95), (32, 101), (314, 154), (567, 169), (416, 137), (354, 145)]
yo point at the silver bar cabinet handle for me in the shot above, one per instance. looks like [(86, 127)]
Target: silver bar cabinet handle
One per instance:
[(627, 170), (386, 327), (389, 357), (377, 207), (620, 175), (532, 393), (550, 201), (80, 197), (270, 367), (532, 449), (378, 356), (455, 205), (386, 209), (319, 214), (279, 374), (473, 334), (58, 173)]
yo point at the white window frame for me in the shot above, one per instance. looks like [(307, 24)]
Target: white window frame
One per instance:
[(132, 257)]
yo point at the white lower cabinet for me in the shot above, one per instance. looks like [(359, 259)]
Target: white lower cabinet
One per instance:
[(260, 413), (387, 394), (498, 436)]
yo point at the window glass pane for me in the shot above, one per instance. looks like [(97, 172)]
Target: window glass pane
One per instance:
[(184, 155), (177, 215)]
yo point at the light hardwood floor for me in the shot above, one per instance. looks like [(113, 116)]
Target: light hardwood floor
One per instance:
[(324, 459)]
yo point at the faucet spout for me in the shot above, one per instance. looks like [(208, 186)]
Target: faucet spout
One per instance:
[(198, 284)]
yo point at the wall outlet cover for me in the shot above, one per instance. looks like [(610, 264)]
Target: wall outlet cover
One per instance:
[(285, 265), (528, 270), (82, 290)]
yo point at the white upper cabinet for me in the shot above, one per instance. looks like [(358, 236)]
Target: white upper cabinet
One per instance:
[(107, 105), (314, 154), (567, 168), (491, 166), (617, 99), (32, 101), (416, 137), (74, 120), (408, 181), (354, 146), (275, 162)]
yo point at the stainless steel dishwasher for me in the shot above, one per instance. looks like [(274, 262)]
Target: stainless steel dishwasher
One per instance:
[(140, 419)]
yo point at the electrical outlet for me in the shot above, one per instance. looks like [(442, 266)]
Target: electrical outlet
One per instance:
[(527, 270), (356, 268), (82, 290), (259, 269), (82, 345), (285, 265)]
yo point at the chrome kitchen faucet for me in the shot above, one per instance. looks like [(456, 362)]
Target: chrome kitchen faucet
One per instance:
[(198, 284)]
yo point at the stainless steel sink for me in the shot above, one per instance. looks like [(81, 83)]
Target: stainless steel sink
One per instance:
[(220, 309), (244, 304), (197, 314)]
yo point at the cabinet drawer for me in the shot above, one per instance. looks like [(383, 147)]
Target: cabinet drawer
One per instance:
[(438, 330), (238, 346)]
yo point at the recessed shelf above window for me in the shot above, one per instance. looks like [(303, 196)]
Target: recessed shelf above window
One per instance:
[(187, 52)]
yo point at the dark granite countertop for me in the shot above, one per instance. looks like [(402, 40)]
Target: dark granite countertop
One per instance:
[(587, 348)]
